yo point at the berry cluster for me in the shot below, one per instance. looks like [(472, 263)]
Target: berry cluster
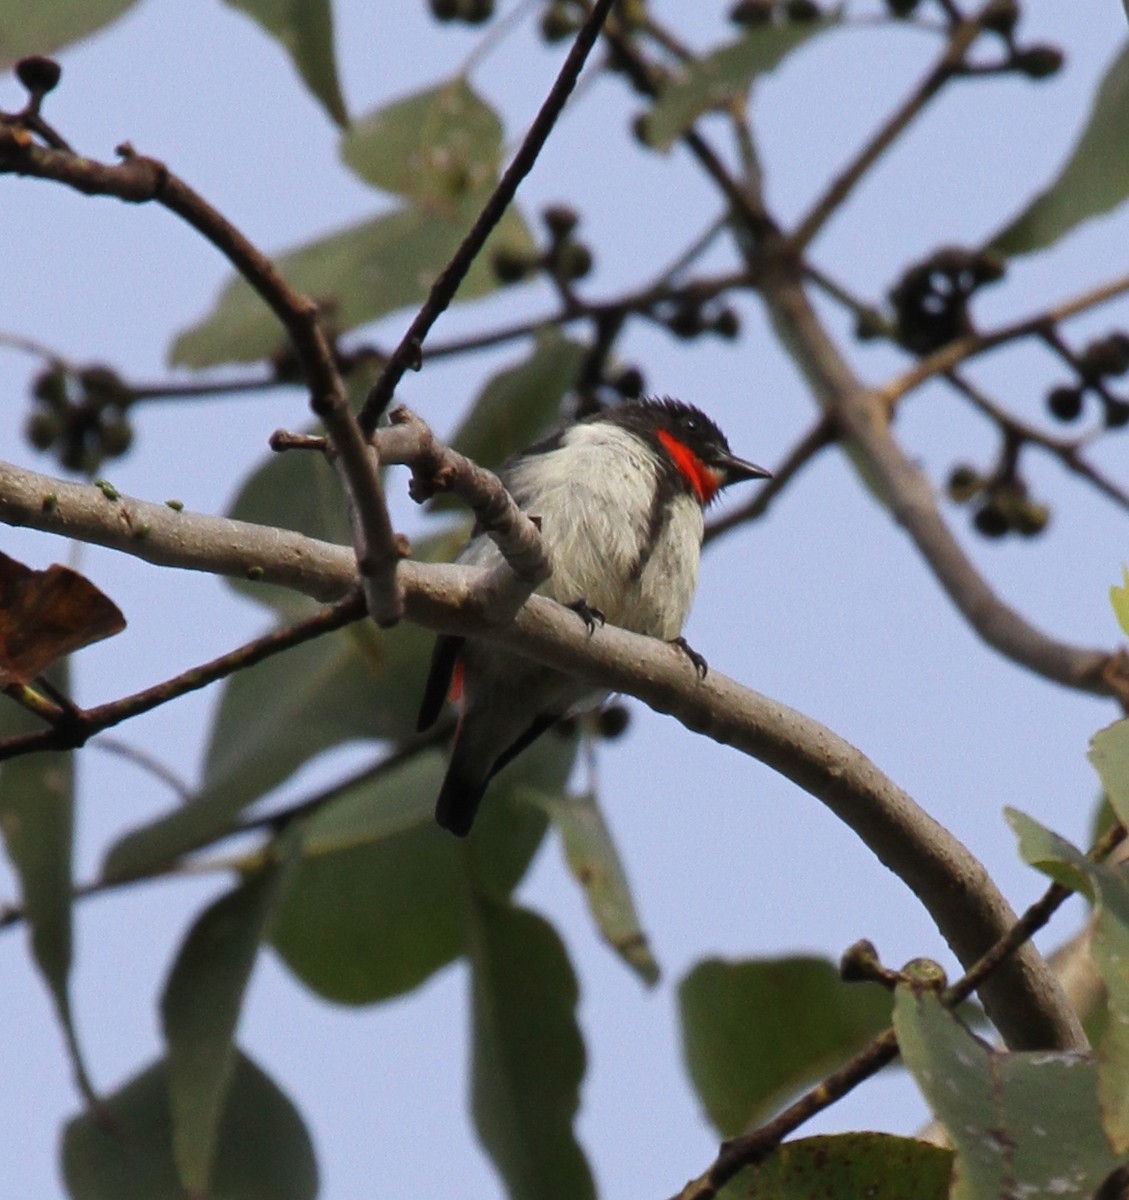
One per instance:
[(1001, 504), (80, 416), (565, 258), (931, 298), (1103, 359)]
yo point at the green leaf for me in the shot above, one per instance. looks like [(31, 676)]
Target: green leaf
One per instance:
[(357, 275), (44, 28), (278, 715), (304, 28), (356, 684), (264, 1151), (1109, 753), (521, 403), (200, 1011), (716, 78), (1022, 1124), (596, 865), (528, 1057), (1094, 180), (756, 1032), (847, 1166), (434, 145), (1049, 853), (379, 903), (1119, 598), (37, 824), (1109, 943), (392, 801)]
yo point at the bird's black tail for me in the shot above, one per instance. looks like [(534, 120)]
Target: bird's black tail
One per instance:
[(462, 789), (458, 801)]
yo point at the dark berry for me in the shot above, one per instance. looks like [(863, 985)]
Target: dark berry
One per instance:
[(560, 220), (1105, 356), (42, 429), (1065, 402), (752, 12), (802, 10), (117, 437), (511, 267), (1001, 17), (612, 721), (629, 383), (557, 23), (38, 74), (1116, 414), (991, 520), (573, 260), (964, 483), (686, 320), (1038, 62), (1031, 519), (727, 324)]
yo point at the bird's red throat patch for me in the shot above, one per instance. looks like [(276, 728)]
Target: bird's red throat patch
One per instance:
[(702, 480)]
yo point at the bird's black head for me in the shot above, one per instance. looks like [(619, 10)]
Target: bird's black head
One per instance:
[(685, 438)]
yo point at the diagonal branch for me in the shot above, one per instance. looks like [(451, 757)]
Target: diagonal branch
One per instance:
[(407, 353), (975, 344), (862, 418), (76, 726), (1022, 998), (947, 66), (139, 179)]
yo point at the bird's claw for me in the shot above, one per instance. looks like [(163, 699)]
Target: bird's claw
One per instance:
[(698, 662), (589, 615)]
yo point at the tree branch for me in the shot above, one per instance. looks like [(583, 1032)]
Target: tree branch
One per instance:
[(139, 179), (973, 345), (443, 289), (1022, 999), (862, 418), (961, 38)]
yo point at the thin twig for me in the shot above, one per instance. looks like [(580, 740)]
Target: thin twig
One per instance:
[(751, 1148), (962, 37), (976, 344), (443, 290), (76, 729), (1068, 451), (819, 436)]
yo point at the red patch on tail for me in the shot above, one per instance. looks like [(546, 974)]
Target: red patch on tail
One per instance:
[(455, 691), (702, 481)]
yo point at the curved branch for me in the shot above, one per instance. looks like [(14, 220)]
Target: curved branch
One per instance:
[(139, 179), (1022, 998), (862, 419)]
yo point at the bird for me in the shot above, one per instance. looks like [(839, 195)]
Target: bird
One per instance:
[(620, 497)]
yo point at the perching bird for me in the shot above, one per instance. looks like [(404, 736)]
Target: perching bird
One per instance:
[(620, 497)]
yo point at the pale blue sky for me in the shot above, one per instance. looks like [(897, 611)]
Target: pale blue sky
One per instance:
[(825, 606)]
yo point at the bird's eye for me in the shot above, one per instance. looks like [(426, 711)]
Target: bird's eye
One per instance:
[(690, 422)]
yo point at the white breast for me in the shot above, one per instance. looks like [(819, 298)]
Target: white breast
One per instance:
[(594, 497)]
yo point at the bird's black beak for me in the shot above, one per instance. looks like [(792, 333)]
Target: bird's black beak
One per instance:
[(737, 470)]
